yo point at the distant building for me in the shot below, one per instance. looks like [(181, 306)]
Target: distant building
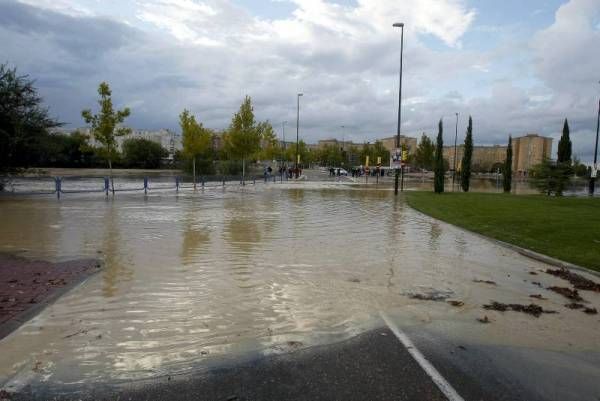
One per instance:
[(409, 143), (528, 150), (166, 138)]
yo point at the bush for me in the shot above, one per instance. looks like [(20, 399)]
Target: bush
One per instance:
[(142, 153)]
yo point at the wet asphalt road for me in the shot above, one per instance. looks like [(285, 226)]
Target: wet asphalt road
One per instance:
[(372, 366)]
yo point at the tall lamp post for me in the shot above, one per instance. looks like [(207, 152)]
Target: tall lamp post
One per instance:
[(455, 138), (283, 123), (401, 26), (297, 129), (595, 166)]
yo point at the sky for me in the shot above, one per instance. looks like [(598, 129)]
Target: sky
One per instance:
[(516, 67)]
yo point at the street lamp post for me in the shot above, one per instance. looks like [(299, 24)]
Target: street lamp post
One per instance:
[(455, 138), (297, 129), (283, 123), (401, 26), (595, 166)]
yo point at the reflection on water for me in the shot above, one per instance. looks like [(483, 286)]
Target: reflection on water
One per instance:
[(193, 278)]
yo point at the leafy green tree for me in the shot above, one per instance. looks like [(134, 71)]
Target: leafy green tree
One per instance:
[(551, 178), (330, 155), (465, 165), (580, 169), (24, 122), (105, 125), (271, 149), (243, 137), (143, 153), (564, 145), (425, 153), (507, 171), (196, 140), (304, 152), (438, 181)]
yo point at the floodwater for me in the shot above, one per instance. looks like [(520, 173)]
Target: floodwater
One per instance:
[(195, 279)]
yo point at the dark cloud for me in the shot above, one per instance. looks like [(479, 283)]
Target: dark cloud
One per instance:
[(349, 74)]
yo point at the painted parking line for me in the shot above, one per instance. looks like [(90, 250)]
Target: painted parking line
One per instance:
[(431, 371)]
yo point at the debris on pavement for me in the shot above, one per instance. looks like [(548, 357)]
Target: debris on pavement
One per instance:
[(485, 281), (577, 280), (538, 296), (590, 311), (574, 305), (456, 303), (432, 295), (483, 319), (567, 292), (531, 309)]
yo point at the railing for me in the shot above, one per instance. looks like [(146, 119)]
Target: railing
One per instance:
[(90, 184)]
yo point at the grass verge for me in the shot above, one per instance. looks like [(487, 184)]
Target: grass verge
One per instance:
[(566, 228)]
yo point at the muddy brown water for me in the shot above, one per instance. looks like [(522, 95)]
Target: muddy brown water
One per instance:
[(223, 272)]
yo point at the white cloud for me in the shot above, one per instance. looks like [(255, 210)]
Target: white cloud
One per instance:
[(206, 55)]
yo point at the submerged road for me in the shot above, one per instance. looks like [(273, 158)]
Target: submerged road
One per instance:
[(376, 365), (234, 293)]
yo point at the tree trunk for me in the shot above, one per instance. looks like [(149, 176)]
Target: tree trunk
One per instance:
[(243, 171), (112, 182), (194, 171)]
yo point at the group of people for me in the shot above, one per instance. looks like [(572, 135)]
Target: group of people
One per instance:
[(366, 171), (287, 172)]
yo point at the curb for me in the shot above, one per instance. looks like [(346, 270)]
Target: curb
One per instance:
[(9, 327), (522, 251)]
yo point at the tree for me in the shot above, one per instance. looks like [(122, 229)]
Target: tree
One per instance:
[(196, 140), (551, 178), (507, 173), (438, 181), (271, 149), (425, 153), (105, 125), (24, 122), (303, 151), (243, 138), (143, 153), (564, 145), (465, 165), (330, 155)]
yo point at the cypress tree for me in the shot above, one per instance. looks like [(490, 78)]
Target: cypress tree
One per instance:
[(564, 146), (507, 174), (465, 167), (438, 182)]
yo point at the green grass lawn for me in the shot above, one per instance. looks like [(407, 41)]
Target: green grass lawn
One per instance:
[(566, 228)]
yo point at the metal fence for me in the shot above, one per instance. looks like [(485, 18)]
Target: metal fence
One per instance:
[(44, 185)]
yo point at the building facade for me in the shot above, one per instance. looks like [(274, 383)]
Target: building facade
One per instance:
[(407, 142), (528, 150)]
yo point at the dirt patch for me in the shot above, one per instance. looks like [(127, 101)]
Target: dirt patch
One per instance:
[(567, 293), (531, 309), (28, 285), (577, 280)]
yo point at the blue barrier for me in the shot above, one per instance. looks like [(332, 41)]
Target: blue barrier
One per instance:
[(59, 185)]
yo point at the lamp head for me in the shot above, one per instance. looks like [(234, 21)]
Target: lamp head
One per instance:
[(398, 25)]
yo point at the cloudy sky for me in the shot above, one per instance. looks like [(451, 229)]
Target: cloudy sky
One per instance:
[(515, 66)]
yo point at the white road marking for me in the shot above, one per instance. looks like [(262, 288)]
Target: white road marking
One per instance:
[(431, 371)]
